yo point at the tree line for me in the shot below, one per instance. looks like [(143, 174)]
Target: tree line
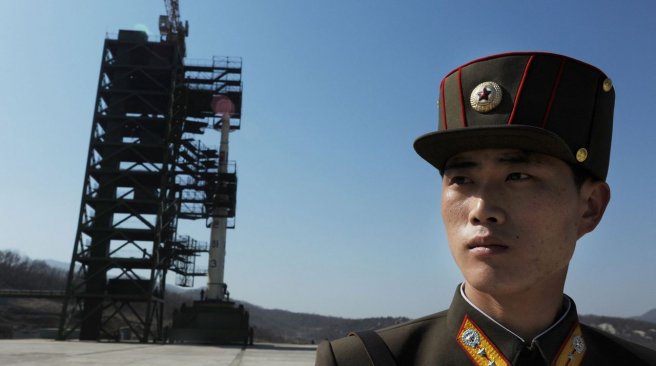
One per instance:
[(22, 273)]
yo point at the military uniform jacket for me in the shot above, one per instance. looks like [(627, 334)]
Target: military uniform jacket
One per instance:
[(464, 335)]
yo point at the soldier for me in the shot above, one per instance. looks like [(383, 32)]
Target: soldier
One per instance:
[(523, 145)]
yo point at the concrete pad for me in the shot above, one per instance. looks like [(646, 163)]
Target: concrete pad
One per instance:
[(278, 355), (41, 352)]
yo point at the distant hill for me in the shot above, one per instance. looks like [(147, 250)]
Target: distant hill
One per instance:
[(634, 330), (58, 264), (649, 316), (24, 317), (289, 327)]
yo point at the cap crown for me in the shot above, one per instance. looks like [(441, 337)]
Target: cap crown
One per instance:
[(564, 98)]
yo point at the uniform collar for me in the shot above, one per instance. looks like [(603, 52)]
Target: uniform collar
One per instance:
[(549, 343)]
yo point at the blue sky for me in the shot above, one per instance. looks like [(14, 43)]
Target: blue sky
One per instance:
[(336, 213)]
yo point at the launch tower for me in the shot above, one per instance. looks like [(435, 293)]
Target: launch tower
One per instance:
[(146, 169)]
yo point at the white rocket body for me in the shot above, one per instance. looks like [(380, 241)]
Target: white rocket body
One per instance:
[(216, 288)]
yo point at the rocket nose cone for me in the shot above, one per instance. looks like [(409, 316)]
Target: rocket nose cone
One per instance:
[(222, 105)]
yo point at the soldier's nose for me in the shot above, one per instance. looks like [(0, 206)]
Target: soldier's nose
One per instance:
[(486, 212)]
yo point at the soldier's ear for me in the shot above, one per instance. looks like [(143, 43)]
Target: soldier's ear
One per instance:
[(594, 196)]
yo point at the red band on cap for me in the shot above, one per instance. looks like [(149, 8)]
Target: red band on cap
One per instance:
[(442, 105), (462, 97), (523, 54), (553, 93), (519, 90)]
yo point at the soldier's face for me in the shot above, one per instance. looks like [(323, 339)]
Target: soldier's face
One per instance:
[(512, 219)]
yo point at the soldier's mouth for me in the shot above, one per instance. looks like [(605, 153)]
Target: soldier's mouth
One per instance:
[(486, 245), (488, 250)]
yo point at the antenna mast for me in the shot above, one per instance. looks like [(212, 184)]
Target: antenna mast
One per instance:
[(171, 28)]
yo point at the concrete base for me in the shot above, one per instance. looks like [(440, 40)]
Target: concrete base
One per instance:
[(27, 352), (211, 322)]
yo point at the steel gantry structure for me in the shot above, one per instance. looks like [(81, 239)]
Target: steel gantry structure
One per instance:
[(145, 171)]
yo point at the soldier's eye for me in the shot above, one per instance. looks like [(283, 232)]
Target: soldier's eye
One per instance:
[(517, 176), (459, 180)]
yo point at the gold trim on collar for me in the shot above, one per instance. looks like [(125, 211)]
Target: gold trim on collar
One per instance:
[(572, 350), (478, 346)]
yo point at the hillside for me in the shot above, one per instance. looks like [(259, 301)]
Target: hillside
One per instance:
[(22, 318), (649, 316), (634, 330), (286, 326)]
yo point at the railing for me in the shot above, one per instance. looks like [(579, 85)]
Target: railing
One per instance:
[(33, 293), (215, 62)]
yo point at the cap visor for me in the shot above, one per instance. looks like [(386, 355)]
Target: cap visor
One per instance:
[(437, 147)]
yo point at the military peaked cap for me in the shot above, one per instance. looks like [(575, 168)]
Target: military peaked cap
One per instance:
[(532, 101)]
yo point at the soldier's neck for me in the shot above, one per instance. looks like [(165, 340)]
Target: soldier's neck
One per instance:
[(526, 314)]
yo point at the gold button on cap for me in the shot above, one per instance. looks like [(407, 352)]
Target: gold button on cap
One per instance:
[(581, 155), (608, 85)]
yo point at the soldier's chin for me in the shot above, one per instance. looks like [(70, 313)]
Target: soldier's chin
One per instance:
[(494, 284)]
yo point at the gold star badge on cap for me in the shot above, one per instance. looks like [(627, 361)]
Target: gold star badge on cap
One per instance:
[(486, 96)]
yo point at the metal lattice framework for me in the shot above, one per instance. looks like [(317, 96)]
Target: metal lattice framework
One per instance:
[(144, 172)]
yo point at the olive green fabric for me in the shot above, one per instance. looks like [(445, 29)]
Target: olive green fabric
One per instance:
[(550, 104), (431, 341)]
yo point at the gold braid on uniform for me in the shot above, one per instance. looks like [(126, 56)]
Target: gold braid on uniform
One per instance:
[(482, 351), (573, 349), (478, 346)]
